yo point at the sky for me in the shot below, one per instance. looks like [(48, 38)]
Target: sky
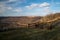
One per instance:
[(28, 7)]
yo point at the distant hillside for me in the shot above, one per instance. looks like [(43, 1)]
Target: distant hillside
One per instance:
[(13, 22), (32, 22), (22, 19), (49, 21)]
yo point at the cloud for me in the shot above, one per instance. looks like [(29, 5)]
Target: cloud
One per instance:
[(18, 10), (3, 0), (10, 8), (45, 4), (43, 9), (4, 8), (12, 0), (47, 9), (20, 1), (32, 6)]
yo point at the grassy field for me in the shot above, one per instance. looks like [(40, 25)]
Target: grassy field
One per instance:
[(31, 34)]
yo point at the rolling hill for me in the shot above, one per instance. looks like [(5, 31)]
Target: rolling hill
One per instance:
[(31, 22), (15, 22), (30, 28), (49, 21)]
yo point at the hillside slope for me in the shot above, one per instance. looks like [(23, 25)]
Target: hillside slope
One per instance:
[(45, 28), (31, 22), (15, 22), (49, 22)]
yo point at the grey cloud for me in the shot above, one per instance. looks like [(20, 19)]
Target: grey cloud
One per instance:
[(3, 0)]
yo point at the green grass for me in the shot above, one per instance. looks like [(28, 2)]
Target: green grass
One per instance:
[(31, 34)]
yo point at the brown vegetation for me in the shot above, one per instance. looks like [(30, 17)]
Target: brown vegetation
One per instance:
[(46, 22)]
